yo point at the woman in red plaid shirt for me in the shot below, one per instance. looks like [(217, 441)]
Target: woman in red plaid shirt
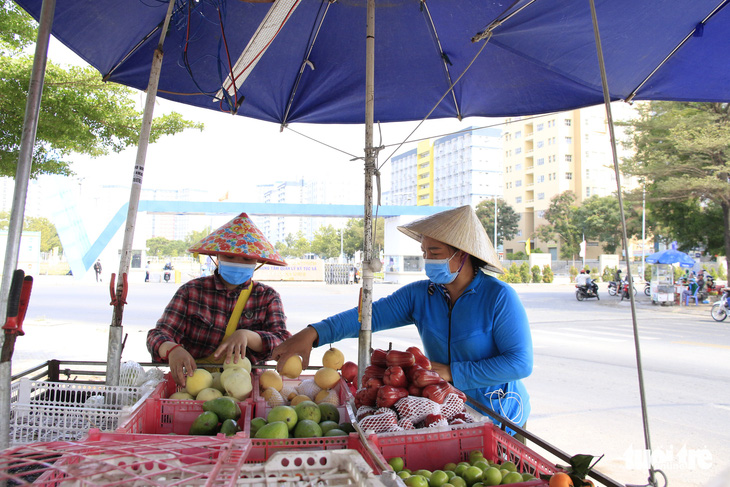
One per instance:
[(200, 324)]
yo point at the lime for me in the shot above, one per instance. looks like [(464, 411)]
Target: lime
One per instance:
[(438, 478), (458, 482), (512, 478), (396, 463), (472, 475), (492, 476)]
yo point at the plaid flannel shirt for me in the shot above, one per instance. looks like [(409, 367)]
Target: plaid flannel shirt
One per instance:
[(198, 314)]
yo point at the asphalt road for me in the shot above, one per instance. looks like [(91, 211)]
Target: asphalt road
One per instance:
[(584, 387)]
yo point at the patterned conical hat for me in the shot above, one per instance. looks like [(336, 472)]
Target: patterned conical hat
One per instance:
[(459, 228), (239, 237)]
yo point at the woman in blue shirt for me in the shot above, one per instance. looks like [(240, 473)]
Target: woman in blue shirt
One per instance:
[(473, 326)]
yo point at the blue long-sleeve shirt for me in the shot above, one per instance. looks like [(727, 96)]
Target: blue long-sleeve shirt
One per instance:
[(484, 337)]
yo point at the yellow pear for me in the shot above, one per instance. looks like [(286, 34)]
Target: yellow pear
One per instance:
[(200, 380), (208, 393), (181, 395), (297, 399), (237, 383), (243, 363), (271, 378), (292, 367), (333, 358), (326, 378)]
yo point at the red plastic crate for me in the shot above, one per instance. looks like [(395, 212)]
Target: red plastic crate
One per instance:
[(424, 449), (342, 390), (165, 416)]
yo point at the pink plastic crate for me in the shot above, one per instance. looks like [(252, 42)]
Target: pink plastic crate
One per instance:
[(424, 449), (124, 459), (165, 416), (342, 390)]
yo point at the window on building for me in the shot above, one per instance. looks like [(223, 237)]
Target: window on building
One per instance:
[(539, 127), (412, 263), (541, 179), (518, 167), (518, 183), (519, 233), (568, 175), (541, 214), (588, 192), (518, 134), (540, 161), (568, 158), (569, 140), (540, 143), (518, 199), (588, 173), (567, 122), (541, 196)]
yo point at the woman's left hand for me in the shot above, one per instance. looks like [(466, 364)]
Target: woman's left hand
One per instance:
[(443, 370), (232, 347)]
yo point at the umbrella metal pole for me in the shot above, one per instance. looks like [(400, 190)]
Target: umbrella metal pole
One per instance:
[(366, 308), (17, 212), (637, 346), (114, 350)]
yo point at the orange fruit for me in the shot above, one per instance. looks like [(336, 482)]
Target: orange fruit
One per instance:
[(561, 479)]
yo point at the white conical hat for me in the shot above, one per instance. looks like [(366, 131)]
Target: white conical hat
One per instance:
[(459, 228)]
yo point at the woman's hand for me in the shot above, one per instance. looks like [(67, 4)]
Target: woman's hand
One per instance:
[(443, 370), (182, 365), (300, 344), (233, 346)]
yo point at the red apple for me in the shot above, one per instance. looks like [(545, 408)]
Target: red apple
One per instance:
[(349, 372)]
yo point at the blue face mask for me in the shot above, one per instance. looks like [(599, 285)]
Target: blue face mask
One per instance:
[(439, 272), (234, 273)]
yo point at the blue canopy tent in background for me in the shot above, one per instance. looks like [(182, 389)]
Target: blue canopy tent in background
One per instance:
[(360, 61), (671, 256)]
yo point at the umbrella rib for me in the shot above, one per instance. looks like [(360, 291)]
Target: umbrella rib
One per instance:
[(633, 93), (444, 59), (306, 62), (136, 47)]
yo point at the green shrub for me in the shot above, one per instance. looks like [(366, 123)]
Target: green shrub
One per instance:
[(524, 272), (721, 273), (573, 272), (547, 274), (517, 256), (536, 277), (608, 273)]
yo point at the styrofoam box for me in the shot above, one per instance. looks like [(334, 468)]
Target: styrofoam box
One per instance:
[(49, 411)]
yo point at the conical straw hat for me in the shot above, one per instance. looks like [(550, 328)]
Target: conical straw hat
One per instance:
[(239, 237), (459, 228)]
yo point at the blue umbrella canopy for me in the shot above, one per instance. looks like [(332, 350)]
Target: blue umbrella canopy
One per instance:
[(537, 57), (671, 256)]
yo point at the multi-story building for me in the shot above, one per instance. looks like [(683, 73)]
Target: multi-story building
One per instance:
[(458, 169), (548, 155)]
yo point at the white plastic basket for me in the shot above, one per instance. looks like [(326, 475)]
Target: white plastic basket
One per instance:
[(310, 468), (43, 411)]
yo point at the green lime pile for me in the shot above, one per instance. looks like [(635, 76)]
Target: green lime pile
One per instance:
[(305, 420), (477, 472), (219, 415)]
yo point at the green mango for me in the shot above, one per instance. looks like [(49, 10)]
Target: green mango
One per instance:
[(230, 427), (275, 429), (205, 424), (256, 424), (224, 407), (347, 427)]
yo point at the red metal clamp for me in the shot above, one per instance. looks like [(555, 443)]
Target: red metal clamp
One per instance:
[(112, 289)]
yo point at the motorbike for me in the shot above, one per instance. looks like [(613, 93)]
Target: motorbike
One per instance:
[(612, 287), (647, 288), (167, 274), (586, 292), (625, 290), (710, 284), (721, 308)]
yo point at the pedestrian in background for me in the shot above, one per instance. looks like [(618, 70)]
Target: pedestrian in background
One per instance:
[(97, 270)]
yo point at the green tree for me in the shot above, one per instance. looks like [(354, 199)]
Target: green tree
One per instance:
[(297, 246), (562, 225), (507, 220), (196, 236), (525, 272), (79, 113), (353, 236), (599, 218), (326, 242), (547, 274), (49, 235), (681, 152)]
